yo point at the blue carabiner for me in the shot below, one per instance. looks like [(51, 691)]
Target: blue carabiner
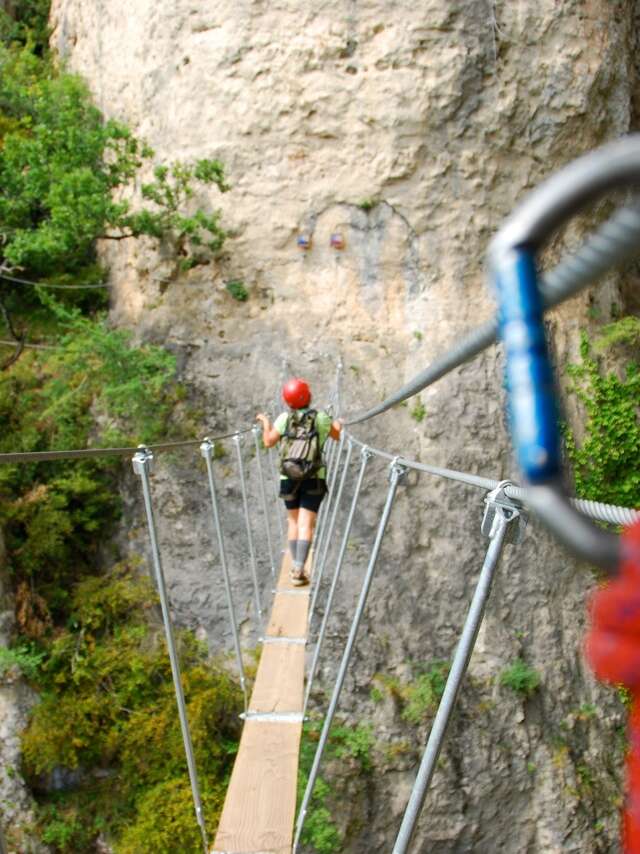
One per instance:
[(530, 385)]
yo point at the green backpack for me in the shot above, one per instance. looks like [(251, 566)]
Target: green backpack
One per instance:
[(300, 454)]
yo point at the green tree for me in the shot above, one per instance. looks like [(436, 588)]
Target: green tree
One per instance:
[(63, 170)]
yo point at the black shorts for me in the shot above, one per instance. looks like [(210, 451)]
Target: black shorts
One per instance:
[(307, 494)]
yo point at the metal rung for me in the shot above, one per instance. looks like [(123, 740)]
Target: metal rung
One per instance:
[(301, 641), (274, 717)]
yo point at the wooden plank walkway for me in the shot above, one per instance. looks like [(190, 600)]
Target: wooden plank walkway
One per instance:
[(259, 808)]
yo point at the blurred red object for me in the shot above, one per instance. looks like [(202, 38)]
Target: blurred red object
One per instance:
[(612, 648)]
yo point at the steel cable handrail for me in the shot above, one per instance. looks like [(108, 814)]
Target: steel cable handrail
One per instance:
[(614, 242), (83, 453), (611, 513)]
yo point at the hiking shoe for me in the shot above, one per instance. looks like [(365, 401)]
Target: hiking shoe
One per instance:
[(298, 577)]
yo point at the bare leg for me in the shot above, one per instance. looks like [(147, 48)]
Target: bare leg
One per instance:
[(306, 524), (292, 524)]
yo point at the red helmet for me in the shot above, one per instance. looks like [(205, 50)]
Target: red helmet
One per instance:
[(296, 393)]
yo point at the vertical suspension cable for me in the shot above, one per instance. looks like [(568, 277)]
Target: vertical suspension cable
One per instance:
[(141, 465), (323, 507), (245, 503), (395, 473), (276, 487), (319, 569), (206, 449), (339, 372), (326, 504), (365, 456), (263, 496), (454, 680)]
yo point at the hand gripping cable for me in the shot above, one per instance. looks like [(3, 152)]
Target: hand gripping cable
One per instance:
[(613, 644)]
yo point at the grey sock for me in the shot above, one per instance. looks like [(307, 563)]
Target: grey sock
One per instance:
[(302, 551), (293, 545)]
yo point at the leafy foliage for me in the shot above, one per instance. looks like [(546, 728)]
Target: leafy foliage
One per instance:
[(28, 24), (346, 745), (419, 411), (520, 677), (607, 462), (237, 290), (625, 331), (63, 170), (107, 723), (97, 388), (417, 699), (423, 694), (25, 656), (108, 710)]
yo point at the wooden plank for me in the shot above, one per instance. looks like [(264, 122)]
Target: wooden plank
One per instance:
[(288, 616), (280, 679), (259, 810), (284, 581)]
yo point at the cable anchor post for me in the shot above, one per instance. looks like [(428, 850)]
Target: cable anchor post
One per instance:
[(397, 469), (500, 515), (365, 453), (499, 506), (142, 465)]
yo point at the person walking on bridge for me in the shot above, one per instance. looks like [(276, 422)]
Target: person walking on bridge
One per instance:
[(303, 433)]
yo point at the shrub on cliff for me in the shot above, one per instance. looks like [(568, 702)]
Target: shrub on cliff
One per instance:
[(607, 460), (108, 725)]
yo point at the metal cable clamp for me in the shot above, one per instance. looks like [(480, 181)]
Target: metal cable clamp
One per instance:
[(497, 503)]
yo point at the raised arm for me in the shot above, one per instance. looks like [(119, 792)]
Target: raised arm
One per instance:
[(270, 435)]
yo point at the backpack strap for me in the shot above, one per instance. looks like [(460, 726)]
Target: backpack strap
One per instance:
[(309, 412)]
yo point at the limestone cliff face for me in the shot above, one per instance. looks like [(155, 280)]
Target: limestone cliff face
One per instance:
[(411, 129)]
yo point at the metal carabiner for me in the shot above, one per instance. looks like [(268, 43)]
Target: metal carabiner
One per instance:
[(530, 382)]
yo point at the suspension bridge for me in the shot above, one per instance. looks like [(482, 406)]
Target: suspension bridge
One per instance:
[(259, 813)]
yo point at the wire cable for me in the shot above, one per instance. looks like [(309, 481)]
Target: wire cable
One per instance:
[(88, 453), (7, 278), (610, 513), (614, 242)]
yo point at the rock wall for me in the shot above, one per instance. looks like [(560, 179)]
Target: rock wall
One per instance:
[(411, 129)]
